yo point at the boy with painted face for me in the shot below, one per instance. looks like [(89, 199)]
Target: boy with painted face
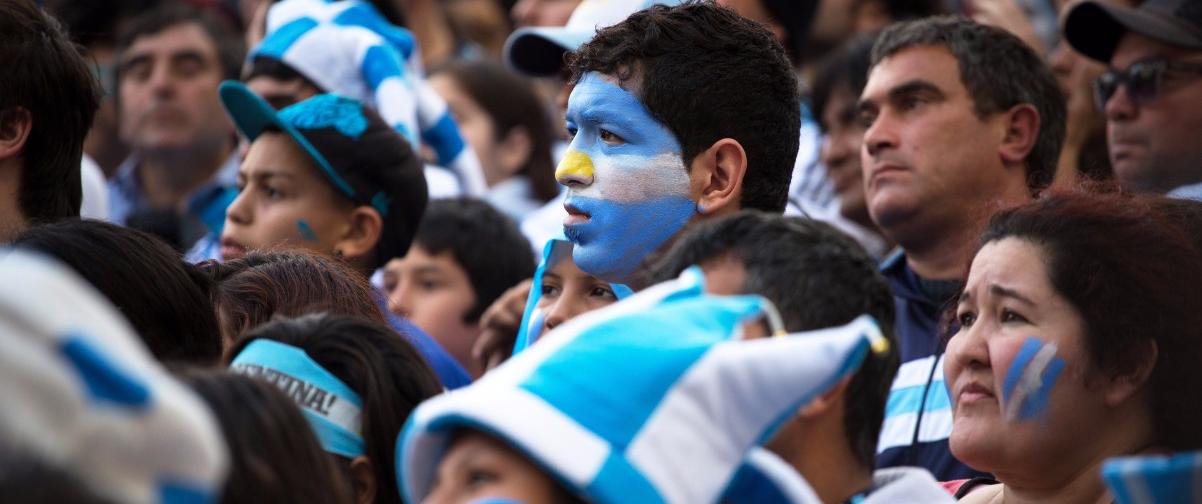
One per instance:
[(678, 113), (329, 175)]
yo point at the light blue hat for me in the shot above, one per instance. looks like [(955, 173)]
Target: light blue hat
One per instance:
[(653, 399), (82, 394)]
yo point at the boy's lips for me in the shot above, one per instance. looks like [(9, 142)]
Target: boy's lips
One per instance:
[(575, 215), (231, 249)]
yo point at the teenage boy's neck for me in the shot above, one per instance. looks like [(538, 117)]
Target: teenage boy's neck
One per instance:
[(168, 177), (820, 453)]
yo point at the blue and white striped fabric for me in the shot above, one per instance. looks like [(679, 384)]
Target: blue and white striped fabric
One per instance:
[(1175, 479), (82, 394), (556, 249), (349, 48), (653, 399), (903, 410)]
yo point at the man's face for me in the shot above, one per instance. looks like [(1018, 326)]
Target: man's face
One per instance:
[(1154, 145), (628, 188), (841, 152), (168, 91), (927, 156)]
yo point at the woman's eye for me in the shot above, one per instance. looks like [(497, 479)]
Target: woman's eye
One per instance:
[(549, 290), (610, 138), (966, 319), (1012, 316)]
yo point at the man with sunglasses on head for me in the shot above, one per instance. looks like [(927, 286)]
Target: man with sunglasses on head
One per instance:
[(1152, 92)]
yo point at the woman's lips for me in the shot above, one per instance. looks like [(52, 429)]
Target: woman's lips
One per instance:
[(974, 392)]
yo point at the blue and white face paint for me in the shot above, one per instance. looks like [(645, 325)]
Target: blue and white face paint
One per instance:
[(1030, 379), (332, 408), (628, 187)]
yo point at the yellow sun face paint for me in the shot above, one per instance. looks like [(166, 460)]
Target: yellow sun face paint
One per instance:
[(576, 166)]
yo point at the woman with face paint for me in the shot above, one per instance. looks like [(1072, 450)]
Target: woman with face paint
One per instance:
[(1077, 339)]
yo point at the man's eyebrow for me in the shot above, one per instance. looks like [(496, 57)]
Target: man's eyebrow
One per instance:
[(916, 86), (187, 54), (133, 60)]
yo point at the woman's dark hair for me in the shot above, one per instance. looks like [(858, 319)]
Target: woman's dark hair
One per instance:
[(251, 290), (1132, 270), (164, 298), (275, 457), (385, 370), (510, 101)]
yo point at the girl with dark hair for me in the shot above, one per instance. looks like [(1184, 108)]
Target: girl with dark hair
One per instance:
[(503, 119), (1079, 336), (274, 455), (259, 286), (355, 381)]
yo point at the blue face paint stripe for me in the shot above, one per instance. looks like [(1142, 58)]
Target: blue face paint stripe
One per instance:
[(1030, 347), (1037, 402), (306, 231)]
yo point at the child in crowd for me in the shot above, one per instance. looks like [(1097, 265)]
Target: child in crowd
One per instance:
[(327, 174), (355, 381), (607, 410), (465, 254), (274, 456)]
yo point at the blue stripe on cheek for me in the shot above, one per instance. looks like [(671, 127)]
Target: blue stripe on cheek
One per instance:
[(1037, 402), (1028, 351)]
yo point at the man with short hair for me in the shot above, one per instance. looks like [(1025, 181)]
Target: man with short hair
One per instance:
[(1152, 93), (962, 119), (817, 278), (179, 177), (678, 114), (42, 128)]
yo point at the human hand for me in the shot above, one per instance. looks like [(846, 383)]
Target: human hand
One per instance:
[(500, 324)]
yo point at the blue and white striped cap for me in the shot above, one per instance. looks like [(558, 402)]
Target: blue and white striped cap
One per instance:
[(349, 48), (82, 393), (653, 399), (1175, 479)]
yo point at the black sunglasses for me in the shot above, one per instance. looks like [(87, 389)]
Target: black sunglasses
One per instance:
[(1143, 80)]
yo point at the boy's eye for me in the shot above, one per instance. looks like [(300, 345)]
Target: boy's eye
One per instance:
[(571, 132), (272, 193), (603, 292), (610, 138), (479, 477)]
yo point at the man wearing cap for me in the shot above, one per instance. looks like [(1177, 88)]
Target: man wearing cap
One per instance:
[(1152, 92)]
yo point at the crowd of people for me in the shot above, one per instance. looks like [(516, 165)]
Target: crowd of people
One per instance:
[(605, 251)]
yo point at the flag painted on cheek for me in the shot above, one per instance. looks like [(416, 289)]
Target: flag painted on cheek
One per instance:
[(624, 171), (1030, 379)]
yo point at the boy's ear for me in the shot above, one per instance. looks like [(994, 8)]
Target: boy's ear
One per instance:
[(824, 402), (363, 480), (15, 125), (364, 229), (716, 177)]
